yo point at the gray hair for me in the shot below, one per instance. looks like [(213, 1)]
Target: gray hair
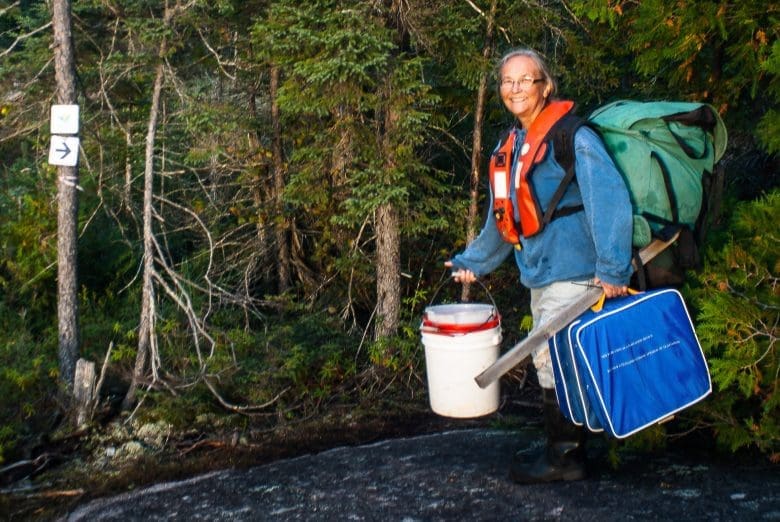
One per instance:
[(538, 60)]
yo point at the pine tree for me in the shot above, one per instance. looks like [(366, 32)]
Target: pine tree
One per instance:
[(355, 112)]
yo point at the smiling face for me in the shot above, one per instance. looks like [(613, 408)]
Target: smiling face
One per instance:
[(524, 89)]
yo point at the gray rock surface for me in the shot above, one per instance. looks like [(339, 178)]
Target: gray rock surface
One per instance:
[(457, 475)]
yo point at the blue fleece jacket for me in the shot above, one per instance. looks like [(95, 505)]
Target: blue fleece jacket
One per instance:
[(574, 247)]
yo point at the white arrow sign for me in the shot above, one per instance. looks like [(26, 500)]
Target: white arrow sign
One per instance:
[(64, 119), (64, 151)]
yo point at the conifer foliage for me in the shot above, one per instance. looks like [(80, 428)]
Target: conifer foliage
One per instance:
[(737, 297)]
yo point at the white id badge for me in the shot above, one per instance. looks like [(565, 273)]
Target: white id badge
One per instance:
[(499, 185)]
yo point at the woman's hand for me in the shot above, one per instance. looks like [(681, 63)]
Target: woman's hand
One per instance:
[(611, 290), (461, 275)]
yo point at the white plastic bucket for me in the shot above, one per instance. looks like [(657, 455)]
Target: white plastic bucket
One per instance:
[(453, 358)]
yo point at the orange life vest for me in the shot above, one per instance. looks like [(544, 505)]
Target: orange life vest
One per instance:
[(532, 217)]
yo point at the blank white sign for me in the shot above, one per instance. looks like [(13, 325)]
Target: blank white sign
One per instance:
[(64, 119)]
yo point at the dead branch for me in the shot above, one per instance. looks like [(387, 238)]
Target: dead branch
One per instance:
[(57, 493), (26, 468), (247, 410), (203, 444), (483, 15), (102, 377), (216, 56), (21, 38), (6, 9)]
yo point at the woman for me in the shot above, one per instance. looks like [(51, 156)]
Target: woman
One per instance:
[(590, 245)]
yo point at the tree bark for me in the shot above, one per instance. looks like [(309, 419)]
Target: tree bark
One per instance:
[(127, 194), (259, 200), (68, 205), (84, 391), (388, 270), (146, 327), (476, 142), (388, 237), (281, 228)]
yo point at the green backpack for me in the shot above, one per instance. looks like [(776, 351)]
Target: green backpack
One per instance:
[(667, 153)]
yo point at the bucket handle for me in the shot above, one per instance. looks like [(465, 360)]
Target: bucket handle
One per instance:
[(448, 279)]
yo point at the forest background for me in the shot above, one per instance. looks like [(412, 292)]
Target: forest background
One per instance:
[(267, 191)]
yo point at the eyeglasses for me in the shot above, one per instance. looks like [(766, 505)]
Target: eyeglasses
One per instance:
[(523, 83)]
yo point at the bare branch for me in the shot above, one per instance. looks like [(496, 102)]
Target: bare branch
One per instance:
[(21, 38), (240, 409), (102, 377), (483, 15), (6, 9), (216, 56)]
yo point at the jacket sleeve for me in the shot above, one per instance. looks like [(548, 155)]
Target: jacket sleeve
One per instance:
[(487, 251), (607, 207)]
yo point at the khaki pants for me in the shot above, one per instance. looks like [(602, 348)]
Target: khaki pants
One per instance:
[(545, 303)]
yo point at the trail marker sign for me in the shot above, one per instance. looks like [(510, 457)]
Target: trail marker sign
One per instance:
[(64, 119), (64, 151)]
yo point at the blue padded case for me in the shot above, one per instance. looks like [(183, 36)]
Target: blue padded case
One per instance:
[(630, 365)]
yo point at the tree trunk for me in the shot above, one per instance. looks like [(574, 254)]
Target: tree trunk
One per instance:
[(68, 205), (476, 142), (281, 229), (388, 270), (388, 237), (84, 391), (127, 195), (146, 327), (259, 200)]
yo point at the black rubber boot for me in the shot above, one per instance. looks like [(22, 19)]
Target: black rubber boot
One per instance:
[(562, 458)]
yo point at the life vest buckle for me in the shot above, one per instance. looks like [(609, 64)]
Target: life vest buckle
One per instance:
[(501, 159)]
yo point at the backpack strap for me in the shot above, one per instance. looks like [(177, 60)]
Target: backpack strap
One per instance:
[(639, 270), (563, 146), (533, 218), (670, 226)]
